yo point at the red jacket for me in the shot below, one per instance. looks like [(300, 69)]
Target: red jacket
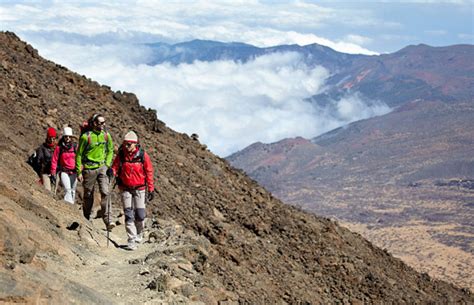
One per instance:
[(132, 172)]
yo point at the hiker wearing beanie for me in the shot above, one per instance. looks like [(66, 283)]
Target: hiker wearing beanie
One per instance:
[(134, 172), (93, 158), (44, 155), (64, 164)]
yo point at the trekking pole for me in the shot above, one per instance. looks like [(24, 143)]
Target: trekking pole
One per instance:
[(108, 215), (109, 207)]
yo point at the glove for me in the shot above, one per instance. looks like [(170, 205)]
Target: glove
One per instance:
[(110, 173), (52, 178), (150, 196)]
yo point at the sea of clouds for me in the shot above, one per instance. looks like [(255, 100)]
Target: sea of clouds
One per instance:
[(230, 105)]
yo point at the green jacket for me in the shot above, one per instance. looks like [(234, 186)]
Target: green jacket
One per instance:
[(93, 151)]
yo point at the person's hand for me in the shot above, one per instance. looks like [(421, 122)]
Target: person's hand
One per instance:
[(80, 178), (110, 173), (52, 178), (150, 196)]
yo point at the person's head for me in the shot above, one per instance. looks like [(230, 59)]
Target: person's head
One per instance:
[(51, 136), (98, 122), (67, 134), (130, 141)]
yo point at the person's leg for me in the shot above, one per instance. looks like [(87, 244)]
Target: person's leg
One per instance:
[(66, 182), (46, 182), (90, 177), (129, 216), (139, 211), (103, 180), (73, 181)]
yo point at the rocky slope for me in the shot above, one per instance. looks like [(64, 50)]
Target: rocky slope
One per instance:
[(404, 169), (216, 237)]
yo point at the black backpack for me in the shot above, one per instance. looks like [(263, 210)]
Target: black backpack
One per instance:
[(34, 162)]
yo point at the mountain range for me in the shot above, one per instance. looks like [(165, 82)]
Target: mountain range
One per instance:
[(392, 178), (404, 179), (414, 72), (214, 236)]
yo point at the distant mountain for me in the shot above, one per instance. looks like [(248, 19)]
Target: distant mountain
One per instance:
[(415, 72), (206, 50), (413, 167)]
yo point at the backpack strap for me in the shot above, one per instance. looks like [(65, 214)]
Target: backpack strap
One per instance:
[(138, 158)]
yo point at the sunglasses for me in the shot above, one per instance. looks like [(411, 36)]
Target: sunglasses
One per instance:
[(129, 144), (101, 123), (67, 137)]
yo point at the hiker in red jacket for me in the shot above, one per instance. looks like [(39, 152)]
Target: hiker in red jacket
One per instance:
[(134, 171), (64, 164)]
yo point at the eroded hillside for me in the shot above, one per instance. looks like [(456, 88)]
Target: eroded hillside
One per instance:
[(218, 236), (403, 180)]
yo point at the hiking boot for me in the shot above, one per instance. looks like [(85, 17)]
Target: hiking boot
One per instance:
[(139, 238), (110, 226), (131, 245)]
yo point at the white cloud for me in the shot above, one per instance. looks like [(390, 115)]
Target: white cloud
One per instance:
[(261, 24), (230, 105), (358, 39)]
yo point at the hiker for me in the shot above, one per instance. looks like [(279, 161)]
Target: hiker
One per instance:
[(134, 171), (44, 154), (64, 164), (93, 157)]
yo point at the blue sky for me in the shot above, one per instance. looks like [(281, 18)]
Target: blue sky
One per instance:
[(232, 105), (349, 26)]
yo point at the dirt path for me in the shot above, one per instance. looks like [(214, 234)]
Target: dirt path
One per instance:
[(118, 274)]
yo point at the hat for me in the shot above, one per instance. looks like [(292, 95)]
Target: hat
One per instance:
[(67, 131), (131, 137), (51, 133)]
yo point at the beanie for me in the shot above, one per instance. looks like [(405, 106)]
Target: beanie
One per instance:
[(131, 137), (51, 132)]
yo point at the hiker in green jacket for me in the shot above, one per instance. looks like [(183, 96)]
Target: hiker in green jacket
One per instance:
[(93, 158)]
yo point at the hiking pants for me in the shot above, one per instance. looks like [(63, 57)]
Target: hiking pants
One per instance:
[(91, 176), (69, 182), (134, 210), (46, 182)]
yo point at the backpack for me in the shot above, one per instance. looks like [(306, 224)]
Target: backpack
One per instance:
[(34, 162), (87, 125), (139, 159)]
